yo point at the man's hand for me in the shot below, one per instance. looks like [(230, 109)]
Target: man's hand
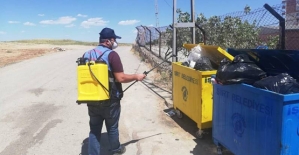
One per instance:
[(140, 77), (125, 78)]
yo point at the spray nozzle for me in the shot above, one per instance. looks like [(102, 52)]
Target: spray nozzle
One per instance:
[(81, 61)]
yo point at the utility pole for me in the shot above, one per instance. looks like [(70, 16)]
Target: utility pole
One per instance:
[(157, 13)]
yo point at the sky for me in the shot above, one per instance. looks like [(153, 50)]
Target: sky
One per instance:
[(82, 20)]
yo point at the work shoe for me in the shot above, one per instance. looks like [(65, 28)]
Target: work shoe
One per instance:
[(122, 150)]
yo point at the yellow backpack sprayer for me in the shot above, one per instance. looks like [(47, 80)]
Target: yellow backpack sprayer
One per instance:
[(93, 80)]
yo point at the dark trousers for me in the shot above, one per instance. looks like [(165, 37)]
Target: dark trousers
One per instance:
[(108, 111)]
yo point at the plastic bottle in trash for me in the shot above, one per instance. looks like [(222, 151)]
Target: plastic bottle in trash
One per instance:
[(192, 58), (213, 79), (194, 55)]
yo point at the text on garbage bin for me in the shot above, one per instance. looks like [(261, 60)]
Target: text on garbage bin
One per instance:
[(186, 77), (293, 110), (247, 102)]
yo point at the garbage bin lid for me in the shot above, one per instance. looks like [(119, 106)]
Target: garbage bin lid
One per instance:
[(273, 62)]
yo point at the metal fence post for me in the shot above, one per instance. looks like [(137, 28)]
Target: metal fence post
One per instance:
[(145, 29), (138, 37), (159, 41), (177, 24), (203, 33), (281, 24), (193, 20), (174, 50), (150, 38)]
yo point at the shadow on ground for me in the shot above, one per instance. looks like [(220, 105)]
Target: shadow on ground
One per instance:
[(104, 145), (204, 145)]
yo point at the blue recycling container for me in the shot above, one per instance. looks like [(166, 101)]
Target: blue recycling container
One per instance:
[(253, 121)]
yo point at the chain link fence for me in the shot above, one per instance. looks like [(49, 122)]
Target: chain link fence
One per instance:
[(247, 29), (155, 40)]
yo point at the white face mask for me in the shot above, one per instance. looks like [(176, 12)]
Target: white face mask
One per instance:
[(114, 46)]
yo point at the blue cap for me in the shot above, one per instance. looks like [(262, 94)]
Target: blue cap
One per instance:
[(108, 33)]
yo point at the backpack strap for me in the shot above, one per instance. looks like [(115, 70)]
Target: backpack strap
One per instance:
[(101, 54), (95, 54)]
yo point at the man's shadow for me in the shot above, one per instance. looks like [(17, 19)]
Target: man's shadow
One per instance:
[(204, 145), (104, 145)]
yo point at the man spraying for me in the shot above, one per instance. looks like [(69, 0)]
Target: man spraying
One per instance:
[(108, 110)]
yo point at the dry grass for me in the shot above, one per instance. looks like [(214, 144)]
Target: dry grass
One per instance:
[(161, 78), (56, 42), (11, 56), (62, 42), (16, 51)]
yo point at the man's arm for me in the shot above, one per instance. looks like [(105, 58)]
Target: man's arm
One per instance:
[(119, 74), (125, 78)]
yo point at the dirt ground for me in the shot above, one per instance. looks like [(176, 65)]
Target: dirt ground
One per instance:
[(15, 52)]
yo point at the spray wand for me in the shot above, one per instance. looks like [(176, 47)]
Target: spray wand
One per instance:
[(146, 72)]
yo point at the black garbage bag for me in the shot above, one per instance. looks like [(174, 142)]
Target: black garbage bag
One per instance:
[(203, 64), (282, 83), (240, 70)]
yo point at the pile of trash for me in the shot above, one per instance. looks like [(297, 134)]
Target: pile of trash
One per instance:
[(240, 70), (243, 70), (198, 60), (58, 49)]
